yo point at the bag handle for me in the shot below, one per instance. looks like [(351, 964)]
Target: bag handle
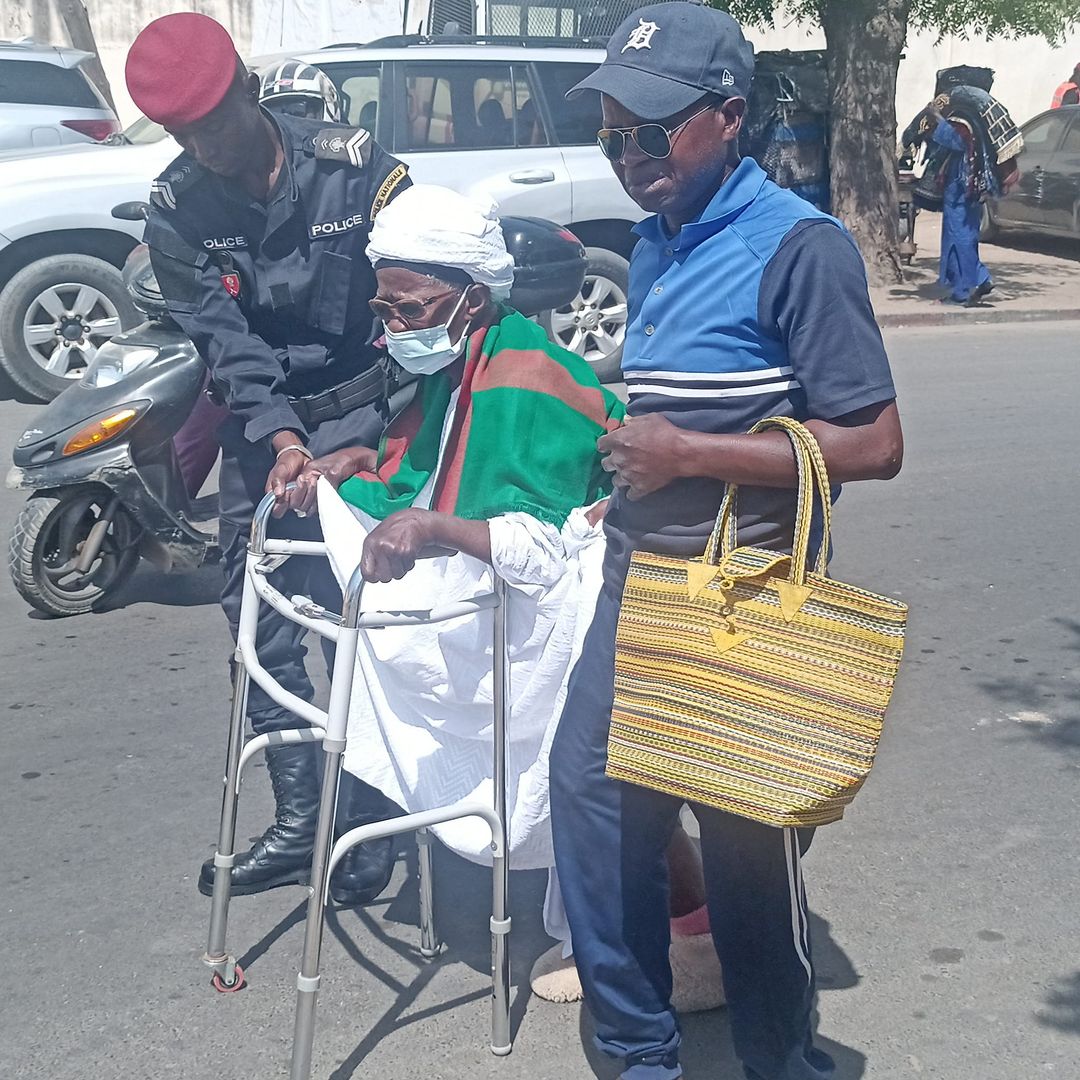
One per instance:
[(813, 479), (820, 474)]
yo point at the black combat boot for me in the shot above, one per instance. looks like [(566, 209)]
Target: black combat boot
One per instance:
[(365, 870), (282, 855)]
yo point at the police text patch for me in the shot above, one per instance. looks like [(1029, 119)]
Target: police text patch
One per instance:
[(225, 243), (334, 228)]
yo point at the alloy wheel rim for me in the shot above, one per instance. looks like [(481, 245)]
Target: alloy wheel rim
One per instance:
[(66, 324), (593, 324)]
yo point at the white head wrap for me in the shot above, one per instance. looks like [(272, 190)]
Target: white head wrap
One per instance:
[(431, 224)]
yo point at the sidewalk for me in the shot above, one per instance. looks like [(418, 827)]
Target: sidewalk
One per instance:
[(1034, 279)]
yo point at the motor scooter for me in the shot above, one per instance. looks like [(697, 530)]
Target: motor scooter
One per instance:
[(100, 462)]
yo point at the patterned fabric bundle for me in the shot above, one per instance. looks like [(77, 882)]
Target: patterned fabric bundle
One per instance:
[(995, 141), (747, 682), (517, 386)]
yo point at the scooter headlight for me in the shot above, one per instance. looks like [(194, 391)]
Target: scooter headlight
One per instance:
[(115, 361)]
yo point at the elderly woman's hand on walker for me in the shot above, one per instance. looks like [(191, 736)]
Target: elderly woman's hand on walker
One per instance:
[(393, 546)]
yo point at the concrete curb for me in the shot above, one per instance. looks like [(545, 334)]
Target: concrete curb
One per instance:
[(972, 316)]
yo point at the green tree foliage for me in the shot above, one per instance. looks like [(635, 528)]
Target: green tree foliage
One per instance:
[(1050, 19)]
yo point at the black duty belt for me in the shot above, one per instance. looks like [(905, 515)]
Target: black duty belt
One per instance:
[(368, 387)]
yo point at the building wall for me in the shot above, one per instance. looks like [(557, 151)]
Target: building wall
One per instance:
[(1027, 70)]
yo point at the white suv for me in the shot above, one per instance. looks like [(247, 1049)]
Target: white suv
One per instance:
[(46, 100), (487, 117), (494, 118)]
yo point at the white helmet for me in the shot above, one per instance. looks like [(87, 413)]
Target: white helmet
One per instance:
[(299, 89)]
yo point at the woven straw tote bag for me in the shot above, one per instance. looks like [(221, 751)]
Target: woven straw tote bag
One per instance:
[(748, 682)]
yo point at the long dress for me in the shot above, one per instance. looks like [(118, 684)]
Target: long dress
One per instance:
[(420, 715), (961, 219)]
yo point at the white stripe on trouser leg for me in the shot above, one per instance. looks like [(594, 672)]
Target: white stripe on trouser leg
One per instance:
[(804, 906), (796, 896)]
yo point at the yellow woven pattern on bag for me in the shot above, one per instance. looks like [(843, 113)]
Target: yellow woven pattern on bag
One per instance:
[(747, 682)]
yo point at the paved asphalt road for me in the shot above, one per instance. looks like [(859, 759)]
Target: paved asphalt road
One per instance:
[(946, 921)]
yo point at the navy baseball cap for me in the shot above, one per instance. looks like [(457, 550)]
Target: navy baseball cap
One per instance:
[(664, 57)]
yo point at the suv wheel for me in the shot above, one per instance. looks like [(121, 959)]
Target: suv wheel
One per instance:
[(54, 316), (594, 324)]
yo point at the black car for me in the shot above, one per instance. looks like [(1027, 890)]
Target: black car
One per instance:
[(1047, 199)]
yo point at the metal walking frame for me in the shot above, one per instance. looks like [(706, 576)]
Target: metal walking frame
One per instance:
[(265, 555)]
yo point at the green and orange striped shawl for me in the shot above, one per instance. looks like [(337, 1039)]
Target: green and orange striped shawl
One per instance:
[(523, 436)]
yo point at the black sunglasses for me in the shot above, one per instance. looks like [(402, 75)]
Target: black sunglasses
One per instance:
[(653, 140)]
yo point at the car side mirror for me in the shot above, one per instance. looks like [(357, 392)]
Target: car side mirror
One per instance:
[(132, 211)]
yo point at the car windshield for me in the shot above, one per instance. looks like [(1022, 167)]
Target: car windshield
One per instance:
[(144, 131)]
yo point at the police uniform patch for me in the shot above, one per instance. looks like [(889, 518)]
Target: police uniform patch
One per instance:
[(165, 190), (344, 144), (324, 229), (161, 193), (387, 189), (225, 243)]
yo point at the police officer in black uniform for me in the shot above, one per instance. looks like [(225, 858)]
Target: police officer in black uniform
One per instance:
[(257, 235)]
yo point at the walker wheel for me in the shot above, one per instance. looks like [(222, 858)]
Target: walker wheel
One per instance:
[(222, 987)]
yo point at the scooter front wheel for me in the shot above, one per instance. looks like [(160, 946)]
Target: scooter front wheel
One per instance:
[(48, 539)]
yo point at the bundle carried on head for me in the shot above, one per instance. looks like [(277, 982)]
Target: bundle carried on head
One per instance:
[(996, 142)]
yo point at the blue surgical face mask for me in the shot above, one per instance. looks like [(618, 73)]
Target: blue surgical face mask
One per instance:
[(423, 352)]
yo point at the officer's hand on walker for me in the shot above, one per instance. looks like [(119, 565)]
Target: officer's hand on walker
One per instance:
[(643, 455), (336, 468), (285, 471), (393, 546)]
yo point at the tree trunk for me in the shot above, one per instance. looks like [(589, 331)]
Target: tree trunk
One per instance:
[(77, 21), (865, 39)]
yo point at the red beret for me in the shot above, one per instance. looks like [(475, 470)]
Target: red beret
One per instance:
[(180, 67)]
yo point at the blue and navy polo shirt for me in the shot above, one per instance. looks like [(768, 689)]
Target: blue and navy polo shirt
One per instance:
[(757, 308)]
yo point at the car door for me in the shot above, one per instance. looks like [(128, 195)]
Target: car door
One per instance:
[(597, 193), (1060, 210), (473, 126), (1024, 204)]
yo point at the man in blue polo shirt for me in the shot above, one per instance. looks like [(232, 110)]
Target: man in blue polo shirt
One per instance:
[(745, 302)]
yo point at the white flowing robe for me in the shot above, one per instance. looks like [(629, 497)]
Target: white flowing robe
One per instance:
[(420, 723)]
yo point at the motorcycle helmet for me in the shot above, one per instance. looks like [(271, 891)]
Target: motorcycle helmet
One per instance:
[(298, 89)]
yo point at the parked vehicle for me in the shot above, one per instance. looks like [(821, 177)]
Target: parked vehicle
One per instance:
[(46, 100), (1047, 198), (489, 115), (99, 460), (62, 295), (476, 117)]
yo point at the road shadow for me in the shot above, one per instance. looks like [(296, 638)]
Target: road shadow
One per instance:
[(707, 1049), (462, 905), (195, 588), (1053, 246), (1045, 707), (1061, 1008), (1013, 280), (10, 392)]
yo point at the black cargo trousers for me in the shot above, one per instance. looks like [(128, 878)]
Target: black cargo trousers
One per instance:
[(279, 642)]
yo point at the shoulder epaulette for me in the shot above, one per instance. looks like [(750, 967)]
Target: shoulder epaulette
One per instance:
[(343, 144), (179, 176)]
